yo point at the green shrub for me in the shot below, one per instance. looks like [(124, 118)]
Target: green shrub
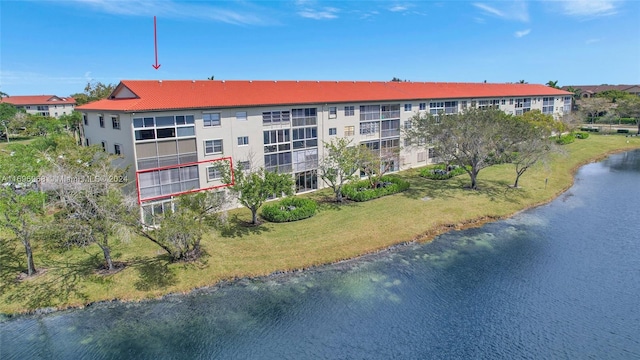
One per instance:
[(362, 191), (582, 135), (566, 139), (289, 209), (439, 172)]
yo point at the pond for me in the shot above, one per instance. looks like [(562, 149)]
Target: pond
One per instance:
[(558, 281)]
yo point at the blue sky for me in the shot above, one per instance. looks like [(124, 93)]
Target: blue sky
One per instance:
[(55, 47)]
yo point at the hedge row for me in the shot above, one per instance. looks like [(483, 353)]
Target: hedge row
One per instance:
[(289, 209), (439, 172), (362, 191), (621, 121)]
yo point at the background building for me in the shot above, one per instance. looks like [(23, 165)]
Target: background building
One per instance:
[(173, 132), (45, 105)]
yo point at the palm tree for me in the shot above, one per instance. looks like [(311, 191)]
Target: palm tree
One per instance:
[(3, 95), (553, 84), (522, 82)]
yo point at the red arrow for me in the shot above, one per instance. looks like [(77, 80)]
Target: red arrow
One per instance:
[(155, 43)]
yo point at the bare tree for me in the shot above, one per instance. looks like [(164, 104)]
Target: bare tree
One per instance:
[(530, 143), (88, 192)]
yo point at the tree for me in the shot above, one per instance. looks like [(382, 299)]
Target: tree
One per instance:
[(93, 91), (253, 187), (375, 163), (522, 82), (593, 107), (21, 206), (87, 188), (340, 164), (553, 84), (630, 107), (7, 113), (614, 95), (179, 232), (471, 139), (530, 144), (3, 95), (544, 122), (72, 123)]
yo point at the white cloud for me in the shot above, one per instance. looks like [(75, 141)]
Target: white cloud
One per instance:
[(319, 14), (397, 8), (522, 33), (591, 41), (173, 9), (515, 11), (590, 8)]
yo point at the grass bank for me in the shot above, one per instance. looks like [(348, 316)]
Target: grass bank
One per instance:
[(428, 208)]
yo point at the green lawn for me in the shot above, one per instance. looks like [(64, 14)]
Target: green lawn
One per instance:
[(335, 233)]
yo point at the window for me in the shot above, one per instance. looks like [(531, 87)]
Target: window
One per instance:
[(275, 117), (349, 130), (104, 145), (85, 119), (423, 106), (241, 115), (422, 156), (567, 104), (303, 117), (115, 122), (407, 107), (305, 137), (212, 146), (147, 134), (213, 173), (117, 149), (390, 111), (333, 112), (510, 101), (333, 131), (243, 165), (86, 142), (432, 153), (212, 119), (547, 105), (243, 140), (101, 118), (504, 102), (369, 112), (369, 128), (349, 110)]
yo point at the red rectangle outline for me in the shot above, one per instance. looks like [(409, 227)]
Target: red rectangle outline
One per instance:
[(140, 199)]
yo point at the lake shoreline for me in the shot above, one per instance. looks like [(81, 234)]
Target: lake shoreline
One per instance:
[(426, 236)]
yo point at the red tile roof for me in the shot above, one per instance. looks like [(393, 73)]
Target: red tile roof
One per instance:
[(37, 100), (186, 94)]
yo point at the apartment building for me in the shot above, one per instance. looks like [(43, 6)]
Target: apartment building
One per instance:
[(45, 105), (172, 133)]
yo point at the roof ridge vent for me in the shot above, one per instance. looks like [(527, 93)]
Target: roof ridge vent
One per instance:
[(160, 81), (222, 80)]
